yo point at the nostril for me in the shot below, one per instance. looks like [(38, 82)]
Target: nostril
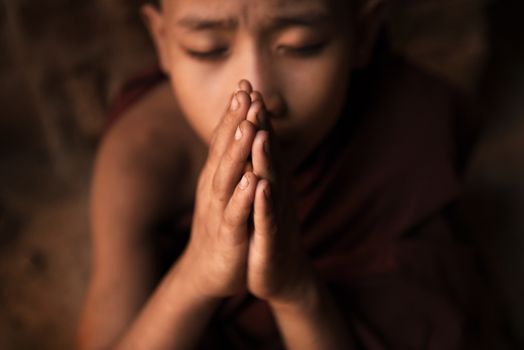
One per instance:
[(273, 103)]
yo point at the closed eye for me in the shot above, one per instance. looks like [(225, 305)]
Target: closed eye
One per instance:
[(208, 55), (304, 51), (307, 50)]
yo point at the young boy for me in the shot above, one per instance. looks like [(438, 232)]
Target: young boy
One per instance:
[(272, 191)]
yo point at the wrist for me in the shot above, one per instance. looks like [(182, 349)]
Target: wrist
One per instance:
[(186, 277), (313, 321), (306, 297)]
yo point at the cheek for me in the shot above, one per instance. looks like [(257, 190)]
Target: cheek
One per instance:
[(316, 92), (202, 100)]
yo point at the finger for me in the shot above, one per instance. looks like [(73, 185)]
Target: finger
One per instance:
[(256, 114), (233, 229), (248, 167), (265, 227), (226, 128), (232, 162), (261, 156), (264, 121), (246, 86), (256, 96)]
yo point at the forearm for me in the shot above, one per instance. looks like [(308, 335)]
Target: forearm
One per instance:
[(313, 322), (174, 317)]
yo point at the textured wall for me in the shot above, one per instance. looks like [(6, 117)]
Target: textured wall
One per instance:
[(64, 61)]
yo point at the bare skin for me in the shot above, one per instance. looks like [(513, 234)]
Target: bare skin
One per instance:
[(138, 163), (126, 307)]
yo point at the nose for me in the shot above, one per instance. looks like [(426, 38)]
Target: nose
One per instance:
[(261, 72)]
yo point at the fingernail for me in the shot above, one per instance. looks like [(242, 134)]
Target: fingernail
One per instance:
[(243, 183), (238, 133), (235, 103)]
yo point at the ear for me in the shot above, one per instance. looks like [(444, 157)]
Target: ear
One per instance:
[(368, 22), (154, 20)]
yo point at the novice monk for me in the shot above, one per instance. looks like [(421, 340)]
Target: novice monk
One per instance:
[(305, 208)]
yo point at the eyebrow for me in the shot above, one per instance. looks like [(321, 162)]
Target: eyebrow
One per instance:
[(309, 19), (306, 20), (196, 23)]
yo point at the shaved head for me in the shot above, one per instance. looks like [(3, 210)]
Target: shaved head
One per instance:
[(354, 4), (339, 8)]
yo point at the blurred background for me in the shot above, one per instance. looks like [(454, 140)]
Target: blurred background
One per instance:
[(63, 61)]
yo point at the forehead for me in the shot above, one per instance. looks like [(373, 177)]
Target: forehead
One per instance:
[(252, 10)]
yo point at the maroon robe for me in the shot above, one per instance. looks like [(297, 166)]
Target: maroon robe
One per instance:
[(375, 204)]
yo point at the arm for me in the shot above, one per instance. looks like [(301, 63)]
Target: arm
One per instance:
[(173, 318), (128, 191), (312, 322)]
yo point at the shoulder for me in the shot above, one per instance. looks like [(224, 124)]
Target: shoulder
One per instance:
[(150, 155), (152, 132)]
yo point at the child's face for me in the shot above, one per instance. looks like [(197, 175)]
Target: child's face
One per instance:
[(298, 53)]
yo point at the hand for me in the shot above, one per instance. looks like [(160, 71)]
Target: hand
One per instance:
[(214, 262), (278, 267)]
